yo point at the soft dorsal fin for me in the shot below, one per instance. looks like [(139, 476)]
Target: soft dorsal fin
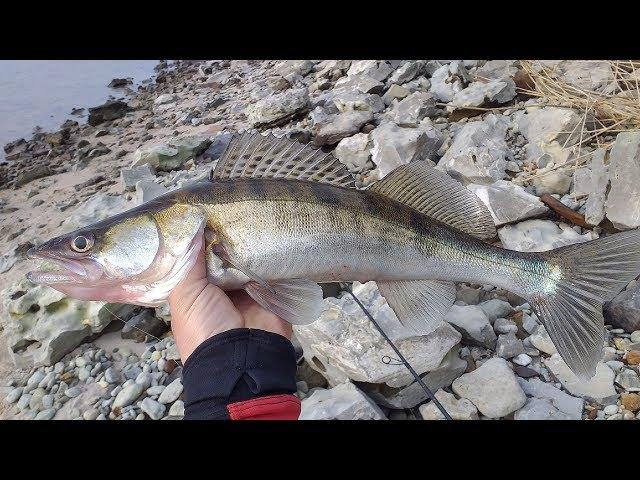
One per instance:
[(258, 156), (439, 196)]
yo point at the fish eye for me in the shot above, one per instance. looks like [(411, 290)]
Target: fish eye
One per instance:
[(81, 244)]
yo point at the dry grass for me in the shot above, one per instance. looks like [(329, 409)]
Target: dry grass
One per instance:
[(613, 109)]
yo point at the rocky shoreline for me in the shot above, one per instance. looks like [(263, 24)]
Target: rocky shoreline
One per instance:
[(549, 173)]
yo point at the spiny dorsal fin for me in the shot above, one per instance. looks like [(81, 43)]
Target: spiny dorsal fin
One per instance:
[(439, 196), (257, 156)]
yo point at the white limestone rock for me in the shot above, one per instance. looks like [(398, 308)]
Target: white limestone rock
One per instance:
[(492, 388)]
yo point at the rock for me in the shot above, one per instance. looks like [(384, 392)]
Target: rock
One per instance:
[(493, 388), (394, 92), (496, 308), (337, 127), (504, 325), (581, 185), (523, 360), (128, 395), (624, 310), (509, 346), (378, 70), (541, 340), (552, 182), (165, 98), (508, 202), (44, 324), (14, 395), (451, 367), (412, 109), (47, 414), (143, 326), (97, 208), (479, 152), (537, 409), (10, 258), (91, 414), (623, 201), (72, 392), (628, 379), (354, 152), (361, 83), (172, 155), (218, 146), (294, 67), (152, 408), (594, 210), (584, 74), (481, 93), (459, 409), (394, 146), (278, 109), (633, 357), (497, 69), (131, 176), (111, 375), (110, 110), (342, 402), (448, 80), (147, 190), (157, 390), (630, 401), (33, 173), (177, 409), (23, 403), (343, 344), (407, 71), (570, 406), (540, 235), (549, 130), (120, 82), (473, 324), (172, 392), (598, 388)]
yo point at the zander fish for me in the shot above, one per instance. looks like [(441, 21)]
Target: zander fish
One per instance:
[(277, 218)]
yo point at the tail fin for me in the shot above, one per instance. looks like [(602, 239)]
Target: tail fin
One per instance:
[(590, 274)]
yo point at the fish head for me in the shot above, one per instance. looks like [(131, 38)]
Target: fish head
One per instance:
[(136, 257)]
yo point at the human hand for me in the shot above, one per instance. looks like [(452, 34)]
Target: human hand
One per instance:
[(200, 310)]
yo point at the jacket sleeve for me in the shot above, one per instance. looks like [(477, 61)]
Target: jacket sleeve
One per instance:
[(241, 374)]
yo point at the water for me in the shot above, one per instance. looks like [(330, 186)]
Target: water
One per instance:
[(43, 92)]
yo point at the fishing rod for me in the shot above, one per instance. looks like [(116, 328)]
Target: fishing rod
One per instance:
[(347, 288)]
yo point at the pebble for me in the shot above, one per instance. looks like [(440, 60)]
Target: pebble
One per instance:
[(635, 336), (156, 390), (523, 359), (610, 409), (172, 392), (90, 414), (47, 414), (177, 409), (14, 395), (154, 409), (128, 395), (111, 375), (72, 392), (24, 401)]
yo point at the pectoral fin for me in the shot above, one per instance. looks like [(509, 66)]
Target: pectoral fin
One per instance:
[(419, 304), (298, 301)]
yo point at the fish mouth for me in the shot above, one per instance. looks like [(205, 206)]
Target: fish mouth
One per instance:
[(58, 270)]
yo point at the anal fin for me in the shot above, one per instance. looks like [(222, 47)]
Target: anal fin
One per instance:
[(297, 301), (419, 304)]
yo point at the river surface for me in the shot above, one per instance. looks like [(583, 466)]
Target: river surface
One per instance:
[(43, 92)]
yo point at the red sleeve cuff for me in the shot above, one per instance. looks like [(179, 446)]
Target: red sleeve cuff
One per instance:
[(272, 407)]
